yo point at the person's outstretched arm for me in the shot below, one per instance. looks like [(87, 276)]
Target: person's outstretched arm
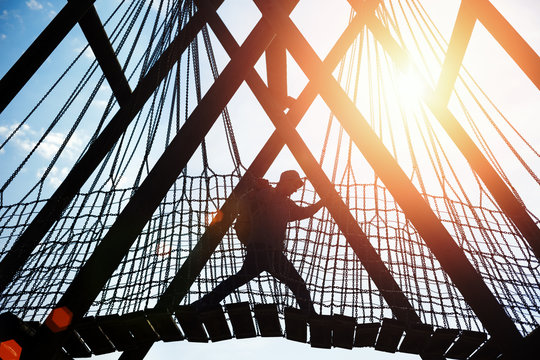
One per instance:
[(299, 212)]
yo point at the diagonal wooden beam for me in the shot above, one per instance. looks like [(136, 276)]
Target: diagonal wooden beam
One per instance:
[(19, 74), (276, 69), (417, 210), (509, 204), (101, 47), (459, 40), (518, 49), (91, 278), (83, 169)]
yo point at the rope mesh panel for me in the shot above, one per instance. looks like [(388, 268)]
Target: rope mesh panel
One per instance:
[(337, 281)]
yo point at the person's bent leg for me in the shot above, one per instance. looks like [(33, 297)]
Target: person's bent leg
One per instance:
[(285, 272), (248, 271)]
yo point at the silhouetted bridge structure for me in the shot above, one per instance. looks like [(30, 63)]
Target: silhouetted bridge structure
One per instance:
[(425, 245)]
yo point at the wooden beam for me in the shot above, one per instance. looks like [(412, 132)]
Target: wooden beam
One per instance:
[(276, 69), (435, 235), (518, 49), (461, 35), (19, 74), (101, 47)]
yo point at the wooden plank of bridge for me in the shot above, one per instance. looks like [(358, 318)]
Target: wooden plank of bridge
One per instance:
[(117, 332), (320, 331), (164, 325), (489, 350), (215, 323), (191, 324), (366, 334), (440, 341), (241, 320), (390, 335), (416, 338), (75, 346), (267, 319), (343, 333), (138, 325), (93, 336), (467, 342), (295, 324)]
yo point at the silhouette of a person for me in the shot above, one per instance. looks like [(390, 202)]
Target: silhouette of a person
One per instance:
[(261, 225)]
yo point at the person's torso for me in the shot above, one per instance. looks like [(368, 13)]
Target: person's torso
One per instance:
[(269, 215)]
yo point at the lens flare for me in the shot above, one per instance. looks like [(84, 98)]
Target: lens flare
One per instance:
[(411, 87)]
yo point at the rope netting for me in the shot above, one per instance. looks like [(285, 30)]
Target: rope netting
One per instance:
[(140, 31), (338, 282)]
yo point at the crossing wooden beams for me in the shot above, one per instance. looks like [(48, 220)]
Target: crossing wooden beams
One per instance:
[(348, 225), (41, 48), (512, 207), (84, 288), (82, 170), (128, 225), (451, 257), (273, 105)]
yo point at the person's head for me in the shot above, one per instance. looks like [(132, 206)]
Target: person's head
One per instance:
[(289, 182)]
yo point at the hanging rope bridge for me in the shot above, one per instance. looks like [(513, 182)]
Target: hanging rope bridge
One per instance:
[(425, 245)]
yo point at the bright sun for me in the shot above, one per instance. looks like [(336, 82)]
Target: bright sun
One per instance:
[(410, 86)]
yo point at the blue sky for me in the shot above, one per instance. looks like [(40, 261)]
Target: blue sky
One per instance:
[(22, 21)]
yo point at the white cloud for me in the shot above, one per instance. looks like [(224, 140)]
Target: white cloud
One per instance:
[(100, 104), (5, 131), (19, 18), (88, 53), (52, 14), (3, 36), (105, 87), (50, 145), (52, 142), (56, 176), (4, 15), (59, 176), (25, 144), (26, 139), (34, 5)]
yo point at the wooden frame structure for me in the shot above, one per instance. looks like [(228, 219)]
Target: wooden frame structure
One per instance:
[(273, 34)]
